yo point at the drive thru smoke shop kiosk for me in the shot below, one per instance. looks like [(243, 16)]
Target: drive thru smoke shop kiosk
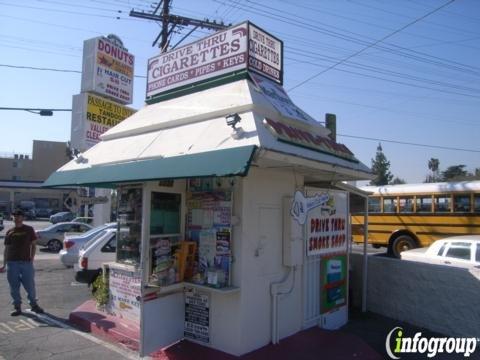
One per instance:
[(233, 228)]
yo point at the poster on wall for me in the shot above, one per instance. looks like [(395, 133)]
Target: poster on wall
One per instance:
[(333, 283), (125, 293), (327, 222), (197, 316)]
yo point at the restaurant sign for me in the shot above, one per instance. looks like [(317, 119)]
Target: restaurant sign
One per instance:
[(108, 69), (239, 47), (93, 115)]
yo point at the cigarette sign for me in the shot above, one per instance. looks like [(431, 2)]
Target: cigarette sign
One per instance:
[(107, 70), (93, 115), (265, 54), (243, 46)]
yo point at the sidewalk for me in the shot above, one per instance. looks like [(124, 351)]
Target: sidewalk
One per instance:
[(308, 344)]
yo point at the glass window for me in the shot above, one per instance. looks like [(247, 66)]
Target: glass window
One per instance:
[(459, 251), (111, 245), (476, 203), (442, 249), (477, 255), (406, 204), (424, 204), (461, 203), (129, 216), (389, 205), (373, 205), (442, 203), (165, 214)]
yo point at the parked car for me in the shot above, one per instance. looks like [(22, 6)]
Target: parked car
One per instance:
[(52, 236), (62, 216), (459, 251), (28, 208), (86, 220), (43, 213), (95, 252), (72, 243)]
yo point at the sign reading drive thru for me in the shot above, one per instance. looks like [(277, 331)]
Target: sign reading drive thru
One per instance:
[(240, 47)]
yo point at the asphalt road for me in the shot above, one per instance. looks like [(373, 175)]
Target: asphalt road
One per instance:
[(49, 336)]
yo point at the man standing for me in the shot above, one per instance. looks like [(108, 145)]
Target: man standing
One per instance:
[(18, 257)]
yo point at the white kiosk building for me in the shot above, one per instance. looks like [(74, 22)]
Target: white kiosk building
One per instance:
[(233, 225)]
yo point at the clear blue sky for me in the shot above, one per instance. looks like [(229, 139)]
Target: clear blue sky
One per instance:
[(421, 85)]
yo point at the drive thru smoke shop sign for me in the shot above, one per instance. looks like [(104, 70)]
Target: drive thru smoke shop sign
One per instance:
[(243, 46)]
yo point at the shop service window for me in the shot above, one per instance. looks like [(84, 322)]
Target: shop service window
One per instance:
[(167, 263), (129, 210)]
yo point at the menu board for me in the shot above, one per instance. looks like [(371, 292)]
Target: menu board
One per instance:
[(197, 316)]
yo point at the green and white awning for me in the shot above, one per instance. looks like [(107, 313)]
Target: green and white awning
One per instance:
[(225, 162)]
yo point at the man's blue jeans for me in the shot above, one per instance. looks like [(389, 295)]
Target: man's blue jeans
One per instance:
[(21, 272)]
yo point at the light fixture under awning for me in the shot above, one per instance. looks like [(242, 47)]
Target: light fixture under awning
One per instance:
[(225, 162)]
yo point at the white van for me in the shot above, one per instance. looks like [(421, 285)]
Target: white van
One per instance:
[(95, 252)]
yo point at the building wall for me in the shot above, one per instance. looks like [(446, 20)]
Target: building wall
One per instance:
[(439, 298), (47, 156), (16, 168), (261, 249)]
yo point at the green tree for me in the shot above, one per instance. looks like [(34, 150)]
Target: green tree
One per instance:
[(397, 181), (454, 172), (381, 168), (433, 165)]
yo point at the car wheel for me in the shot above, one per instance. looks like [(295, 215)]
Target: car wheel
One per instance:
[(54, 245), (402, 243)]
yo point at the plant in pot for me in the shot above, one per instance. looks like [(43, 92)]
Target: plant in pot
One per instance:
[(100, 291)]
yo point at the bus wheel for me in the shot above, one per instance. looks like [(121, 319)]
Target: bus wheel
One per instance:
[(402, 243)]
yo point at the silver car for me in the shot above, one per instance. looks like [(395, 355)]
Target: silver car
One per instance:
[(72, 243), (52, 236)]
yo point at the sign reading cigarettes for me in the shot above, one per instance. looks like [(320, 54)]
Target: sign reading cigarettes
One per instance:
[(108, 69), (93, 115), (243, 46), (327, 223)]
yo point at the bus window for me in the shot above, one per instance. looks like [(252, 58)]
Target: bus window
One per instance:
[(406, 205), (424, 204), (442, 203), (373, 205), (476, 204), (389, 205), (461, 203)]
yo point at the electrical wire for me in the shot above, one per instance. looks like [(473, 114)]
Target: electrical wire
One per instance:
[(410, 143)]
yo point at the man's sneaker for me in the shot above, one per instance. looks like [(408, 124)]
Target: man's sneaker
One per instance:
[(37, 309), (17, 311)]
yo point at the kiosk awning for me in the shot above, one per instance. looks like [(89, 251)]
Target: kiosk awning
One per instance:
[(225, 162)]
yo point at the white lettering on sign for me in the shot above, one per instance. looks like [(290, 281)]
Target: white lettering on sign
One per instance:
[(265, 54), (218, 54)]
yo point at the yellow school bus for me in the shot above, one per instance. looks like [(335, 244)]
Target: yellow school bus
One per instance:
[(402, 217)]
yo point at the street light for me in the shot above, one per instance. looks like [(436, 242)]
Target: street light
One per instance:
[(41, 112)]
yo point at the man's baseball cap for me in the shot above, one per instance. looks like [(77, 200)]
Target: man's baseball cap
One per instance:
[(18, 212)]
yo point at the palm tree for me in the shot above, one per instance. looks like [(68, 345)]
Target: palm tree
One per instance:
[(433, 165)]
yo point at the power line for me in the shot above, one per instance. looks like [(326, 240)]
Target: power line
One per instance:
[(410, 143), (52, 69), (371, 45)]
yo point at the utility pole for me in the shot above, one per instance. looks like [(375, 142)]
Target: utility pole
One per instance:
[(170, 22)]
